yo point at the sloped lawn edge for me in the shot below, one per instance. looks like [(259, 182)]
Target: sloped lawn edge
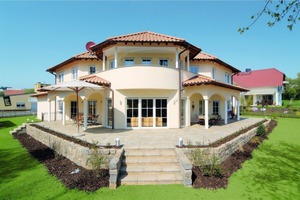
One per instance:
[(231, 164)]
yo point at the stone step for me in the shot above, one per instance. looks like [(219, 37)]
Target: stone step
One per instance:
[(150, 159), (149, 178), (151, 167), (149, 152)]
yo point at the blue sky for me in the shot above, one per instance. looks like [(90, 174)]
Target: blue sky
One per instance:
[(37, 35)]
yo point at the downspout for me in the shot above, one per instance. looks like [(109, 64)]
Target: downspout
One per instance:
[(179, 87), (113, 108), (55, 75)]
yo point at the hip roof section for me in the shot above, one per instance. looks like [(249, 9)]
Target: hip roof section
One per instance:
[(260, 78)]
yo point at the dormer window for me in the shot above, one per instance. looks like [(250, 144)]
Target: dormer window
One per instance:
[(129, 61), (146, 61), (163, 62)]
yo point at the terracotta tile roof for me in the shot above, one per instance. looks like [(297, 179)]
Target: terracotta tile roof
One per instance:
[(145, 36), (39, 94), (85, 55), (81, 56), (95, 80), (260, 78), (13, 92), (205, 56), (204, 80)]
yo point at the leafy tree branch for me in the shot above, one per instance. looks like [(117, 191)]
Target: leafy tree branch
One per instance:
[(277, 10)]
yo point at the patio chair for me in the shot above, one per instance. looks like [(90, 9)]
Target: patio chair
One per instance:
[(94, 119)]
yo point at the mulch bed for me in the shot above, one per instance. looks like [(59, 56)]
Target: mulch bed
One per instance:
[(62, 168), (91, 180), (230, 165)]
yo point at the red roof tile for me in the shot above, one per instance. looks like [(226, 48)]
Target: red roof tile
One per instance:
[(206, 56), (13, 92), (81, 56), (39, 94), (145, 36), (259, 78), (95, 80), (204, 80)]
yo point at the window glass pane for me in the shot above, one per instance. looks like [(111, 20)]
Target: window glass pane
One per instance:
[(164, 112), (129, 112), (150, 103), (163, 62), (158, 112), (164, 103), (144, 103), (135, 112), (158, 103), (129, 103), (144, 112), (112, 64), (150, 112), (146, 61), (135, 103), (194, 69), (129, 61)]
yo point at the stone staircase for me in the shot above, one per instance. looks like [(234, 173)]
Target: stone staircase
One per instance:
[(150, 166)]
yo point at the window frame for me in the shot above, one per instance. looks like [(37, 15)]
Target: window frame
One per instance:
[(227, 78), (112, 63), (146, 63), (214, 73), (162, 60), (74, 73), (194, 67), (129, 61), (216, 107), (92, 67), (20, 105), (60, 77)]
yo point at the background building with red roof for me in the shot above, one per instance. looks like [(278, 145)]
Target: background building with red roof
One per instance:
[(265, 85)]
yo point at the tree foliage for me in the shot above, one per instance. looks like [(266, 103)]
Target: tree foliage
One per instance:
[(278, 10), (292, 89)]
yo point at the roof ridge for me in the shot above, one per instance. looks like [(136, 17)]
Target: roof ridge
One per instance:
[(144, 32)]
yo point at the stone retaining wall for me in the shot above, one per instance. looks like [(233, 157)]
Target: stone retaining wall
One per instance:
[(222, 152), (76, 153)]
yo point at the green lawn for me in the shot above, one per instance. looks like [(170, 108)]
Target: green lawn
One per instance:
[(294, 103), (273, 173)]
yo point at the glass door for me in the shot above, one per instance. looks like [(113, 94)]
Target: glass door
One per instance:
[(147, 112), (132, 116), (161, 112)]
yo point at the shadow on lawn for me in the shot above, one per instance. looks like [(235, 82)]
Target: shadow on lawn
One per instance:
[(13, 162), (6, 124), (276, 171)]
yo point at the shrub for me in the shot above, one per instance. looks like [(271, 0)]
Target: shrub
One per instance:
[(209, 165), (261, 131)]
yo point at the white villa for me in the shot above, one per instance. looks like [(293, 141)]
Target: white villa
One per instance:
[(149, 80)]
